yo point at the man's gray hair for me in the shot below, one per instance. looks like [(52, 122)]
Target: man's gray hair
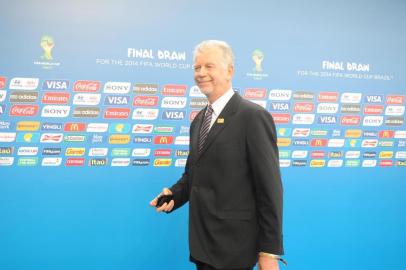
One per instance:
[(228, 55)]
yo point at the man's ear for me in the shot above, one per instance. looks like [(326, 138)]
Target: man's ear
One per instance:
[(230, 72)]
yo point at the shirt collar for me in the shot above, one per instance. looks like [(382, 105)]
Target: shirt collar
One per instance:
[(222, 101)]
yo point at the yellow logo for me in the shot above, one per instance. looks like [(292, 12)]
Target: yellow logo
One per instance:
[(220, 121), (162, 162), (119, 139), (77, 152), (283, 142), (386, 154), (28, 125), (353, 133), (317, 163), (47, 44), (257, 57), (27, 137)]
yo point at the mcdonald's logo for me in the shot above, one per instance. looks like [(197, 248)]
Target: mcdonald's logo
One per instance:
[(74, 127), (318, 142), (163, 139), (386, 134)]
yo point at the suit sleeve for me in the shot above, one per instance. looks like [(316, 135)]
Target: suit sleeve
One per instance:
[(180, 190), (263, 157)]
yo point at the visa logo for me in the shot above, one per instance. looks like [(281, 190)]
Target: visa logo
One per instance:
[(373, 98), (173, 115), (327, 119), (116, 100), (280, 106), (55, 85)]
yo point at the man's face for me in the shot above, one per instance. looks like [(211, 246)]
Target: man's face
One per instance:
[(211, 74)]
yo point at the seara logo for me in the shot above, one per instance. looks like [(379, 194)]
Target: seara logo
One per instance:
[(47, 43)]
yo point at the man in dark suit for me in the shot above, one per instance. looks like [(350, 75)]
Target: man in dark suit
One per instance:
[(232, 177)]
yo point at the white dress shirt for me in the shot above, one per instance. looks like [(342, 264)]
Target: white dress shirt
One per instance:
[(219, 105)]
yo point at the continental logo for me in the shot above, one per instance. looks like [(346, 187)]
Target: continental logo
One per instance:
[(353, 133), (86, 112), (119, 139), (282, 142), (23, 97), (98, 162), (28, 126), (144, 88), (74, 127), (162, 162), (78, 152), (317, 163), (6, 151), (386, 154)]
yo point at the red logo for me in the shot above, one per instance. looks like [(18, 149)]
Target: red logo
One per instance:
[(395, 100), (74, 127), (163, 139), (386, 163), (281, 118), (86, 86), (350, 120), (162, 152), (55, 98), (75, 162), (255, 93), (145, 101), (23, 110), (192, 115), (373, 109), (386, 134), (303, 107), (318, 142), (327, 97), (2, 82), (174, 90), (117, 113), (318, 154)]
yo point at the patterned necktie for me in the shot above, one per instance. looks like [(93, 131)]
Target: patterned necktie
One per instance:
[(204, 130)]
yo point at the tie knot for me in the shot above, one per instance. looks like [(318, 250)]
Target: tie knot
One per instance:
[(209, 109)]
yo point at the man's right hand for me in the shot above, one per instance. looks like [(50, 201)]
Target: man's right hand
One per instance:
[(166, 207)]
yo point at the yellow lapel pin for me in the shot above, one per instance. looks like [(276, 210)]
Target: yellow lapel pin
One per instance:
[(220, 121)]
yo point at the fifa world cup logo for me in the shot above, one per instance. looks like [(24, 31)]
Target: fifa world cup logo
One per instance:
[(47, 44), (257, 57)]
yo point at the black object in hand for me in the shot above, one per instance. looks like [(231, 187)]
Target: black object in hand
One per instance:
[(163, 199)]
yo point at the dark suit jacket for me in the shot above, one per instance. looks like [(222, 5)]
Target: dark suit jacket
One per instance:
[(233, 187)]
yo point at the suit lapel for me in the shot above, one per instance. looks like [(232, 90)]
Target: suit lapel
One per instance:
[(220, 124)]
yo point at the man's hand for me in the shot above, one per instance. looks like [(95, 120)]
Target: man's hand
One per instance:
[(267, 263), (166, 207)]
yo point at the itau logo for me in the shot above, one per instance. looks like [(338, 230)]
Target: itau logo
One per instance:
[(47, 45)]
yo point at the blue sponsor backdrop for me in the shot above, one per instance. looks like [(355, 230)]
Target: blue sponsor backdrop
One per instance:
[(87, 217)]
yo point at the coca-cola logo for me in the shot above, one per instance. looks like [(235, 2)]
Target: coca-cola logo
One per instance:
[(255, 93), (2, 82), (86, 86), (145, 101), (23, 110)]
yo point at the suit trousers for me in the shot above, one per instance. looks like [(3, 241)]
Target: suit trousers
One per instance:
[(204, 266)]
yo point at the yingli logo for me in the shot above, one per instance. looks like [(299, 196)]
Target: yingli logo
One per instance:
[(24, 110), (86, 86)]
